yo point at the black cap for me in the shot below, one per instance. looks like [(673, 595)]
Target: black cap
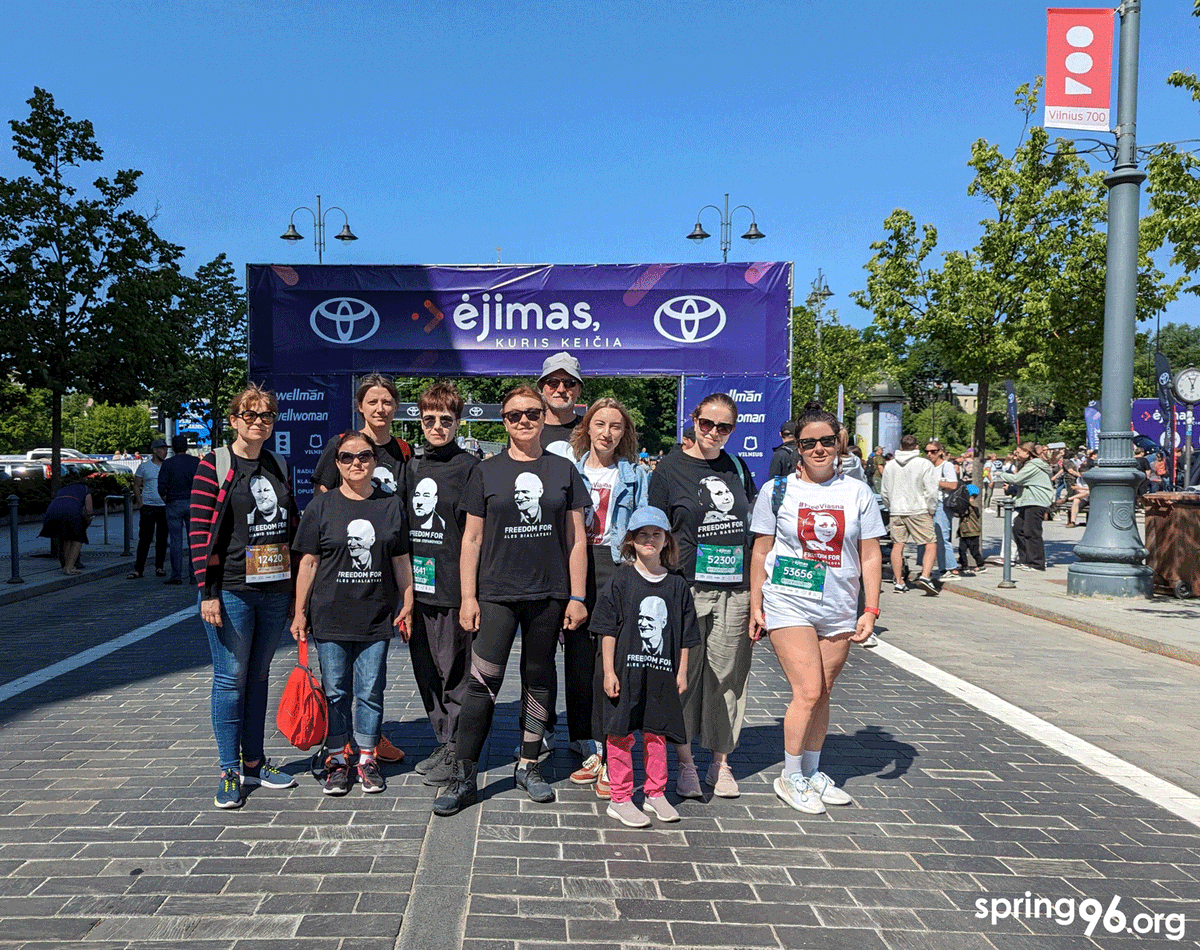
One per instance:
[(788, 428), (690, 433), (180, 444)]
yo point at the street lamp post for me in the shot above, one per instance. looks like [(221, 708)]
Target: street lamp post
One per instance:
[(1111, 554), (291, 234), (816, 301), (752, 234)]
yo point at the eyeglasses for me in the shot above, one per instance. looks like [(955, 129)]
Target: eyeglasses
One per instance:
[(444, 421), (363, 457), (250, 416), (563, 382), (807, 445), (931, 451), (513, 416), (707, 425)]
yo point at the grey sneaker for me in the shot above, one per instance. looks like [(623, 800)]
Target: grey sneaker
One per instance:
[(829, 793), (627, 814), (927, 585), (435, 757), (529, 778), (658, 807), (687, 783), (442, 771), (720, 777), (796, 792)]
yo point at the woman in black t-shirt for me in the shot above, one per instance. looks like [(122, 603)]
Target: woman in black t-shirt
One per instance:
[(376, 400), (353, 593), (524, 563), (707, 495)]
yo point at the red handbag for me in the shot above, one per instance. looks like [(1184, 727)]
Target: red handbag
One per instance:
[(303, 715)]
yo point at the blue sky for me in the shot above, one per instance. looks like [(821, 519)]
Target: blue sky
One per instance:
[(559, 132)]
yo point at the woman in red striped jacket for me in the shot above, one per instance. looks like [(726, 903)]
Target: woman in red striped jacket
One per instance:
[(242, 525)]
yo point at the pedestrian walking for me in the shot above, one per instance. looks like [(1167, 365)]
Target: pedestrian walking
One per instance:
[(152, 522), (943, 520), (175, 487), (970, 529), (646, 624), (1030, 484), (910, 493), (810, 548)]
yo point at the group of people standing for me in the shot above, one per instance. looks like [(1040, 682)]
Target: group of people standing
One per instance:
[(657, 586)]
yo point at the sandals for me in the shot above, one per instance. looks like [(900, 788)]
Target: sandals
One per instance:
[(133, 575)]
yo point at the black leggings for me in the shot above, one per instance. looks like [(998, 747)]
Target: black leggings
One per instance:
[(969, 545), (540, 622), (1027, 532)]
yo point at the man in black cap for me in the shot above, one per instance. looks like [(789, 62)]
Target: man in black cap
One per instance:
[(175, 488), (152, 525), (783, 462)]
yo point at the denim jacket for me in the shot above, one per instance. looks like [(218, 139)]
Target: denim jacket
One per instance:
[(631, 493)]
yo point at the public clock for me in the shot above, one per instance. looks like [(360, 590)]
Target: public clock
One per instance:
[(1187, 385)]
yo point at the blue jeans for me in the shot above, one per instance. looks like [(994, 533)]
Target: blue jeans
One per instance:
[(358, 669), (242, 650), (178, 516), (942, 530)]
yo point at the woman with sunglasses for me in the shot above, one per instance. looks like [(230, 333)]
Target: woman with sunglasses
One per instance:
[(707, 493), (353, 594), (434, 481), (605, 443), (376, 399), (524, 564), (242, 565), (810, 548)]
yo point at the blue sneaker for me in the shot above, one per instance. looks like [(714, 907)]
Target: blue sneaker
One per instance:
[(229, 792), (266, 775)]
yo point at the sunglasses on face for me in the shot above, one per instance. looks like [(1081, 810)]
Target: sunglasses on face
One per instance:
[(250, 416), (807, 445), (707, 425), (363, 457), (444, 421), (513, 416), (557, 382)]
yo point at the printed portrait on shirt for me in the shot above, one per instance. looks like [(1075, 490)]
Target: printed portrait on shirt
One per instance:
[(597, 514), (383, 479), (360, 536), (424, 501), (822, 531), (266, 502), (718, 500), (527, 494), (652, 622)]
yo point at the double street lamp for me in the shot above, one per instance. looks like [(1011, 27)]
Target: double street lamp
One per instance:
[(752, 234), (291, 234), (816, 302)]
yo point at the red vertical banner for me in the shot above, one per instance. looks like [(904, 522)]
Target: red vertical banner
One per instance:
[(1079, 54)]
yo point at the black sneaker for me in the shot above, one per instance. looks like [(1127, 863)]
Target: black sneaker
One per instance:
[(425, 765), (369, 776), (529, 778), (337, 777), (461, 792), (927, 585), (229, 792), (443, 770)]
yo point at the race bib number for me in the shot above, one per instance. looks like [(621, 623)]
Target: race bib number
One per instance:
[(719, 563), (423, 574), (268, 562), (803, 578)]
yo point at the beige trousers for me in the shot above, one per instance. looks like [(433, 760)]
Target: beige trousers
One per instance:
[(715, 702)]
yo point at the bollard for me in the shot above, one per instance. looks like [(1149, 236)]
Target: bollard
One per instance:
[(13, 503), (128, 522), (104, 502), (1008, 582)]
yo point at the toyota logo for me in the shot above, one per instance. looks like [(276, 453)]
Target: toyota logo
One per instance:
[(414, 411), (691, 311), (346, 314), (476, 411)]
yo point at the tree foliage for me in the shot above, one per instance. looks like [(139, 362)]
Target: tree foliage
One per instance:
[(86, 285), (855, 359)]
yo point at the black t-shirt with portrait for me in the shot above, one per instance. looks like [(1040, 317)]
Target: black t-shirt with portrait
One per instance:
[(433, 488), (389, 465), (354, 594), (653, 621), (525, 510), (708, 504), (557, 438), (254, 533)]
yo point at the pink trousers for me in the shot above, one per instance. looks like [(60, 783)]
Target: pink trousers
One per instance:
[(620, 766)]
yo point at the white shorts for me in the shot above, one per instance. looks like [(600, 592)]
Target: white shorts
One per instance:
[(790, 611)]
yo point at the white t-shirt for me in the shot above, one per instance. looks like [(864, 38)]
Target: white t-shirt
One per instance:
[(598, 519), (946, 472), (816, 533), (148, 473)]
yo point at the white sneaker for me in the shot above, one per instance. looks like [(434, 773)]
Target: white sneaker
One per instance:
[(829, 793), (871, 641), (795, 791)]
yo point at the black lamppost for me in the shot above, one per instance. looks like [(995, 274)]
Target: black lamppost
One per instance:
[(816, 301), (752, 234), (291, 234)]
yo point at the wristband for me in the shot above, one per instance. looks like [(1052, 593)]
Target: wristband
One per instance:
[(578, 599), (871, 610)]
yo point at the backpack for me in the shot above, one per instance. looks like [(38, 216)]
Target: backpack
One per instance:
[(225, 463), (958, 502), (778, 490)]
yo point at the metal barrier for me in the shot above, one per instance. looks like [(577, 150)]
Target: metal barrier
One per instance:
[(104, 504), (13, 504)]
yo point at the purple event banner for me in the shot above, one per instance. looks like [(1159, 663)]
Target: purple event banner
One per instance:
[(498, 320)]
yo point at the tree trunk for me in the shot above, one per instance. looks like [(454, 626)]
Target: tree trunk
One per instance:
[(56, 397), (981, 414)]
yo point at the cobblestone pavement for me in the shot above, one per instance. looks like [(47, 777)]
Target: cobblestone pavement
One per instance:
[(108, 837)]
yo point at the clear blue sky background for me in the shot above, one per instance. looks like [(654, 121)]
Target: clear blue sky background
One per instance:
[(560, 132)]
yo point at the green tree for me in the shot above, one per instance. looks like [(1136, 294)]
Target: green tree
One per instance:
[(855, 359), (1180, 344), (25, 424), (1027, 300), (109, 428), (213, 368), (86, 284)]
